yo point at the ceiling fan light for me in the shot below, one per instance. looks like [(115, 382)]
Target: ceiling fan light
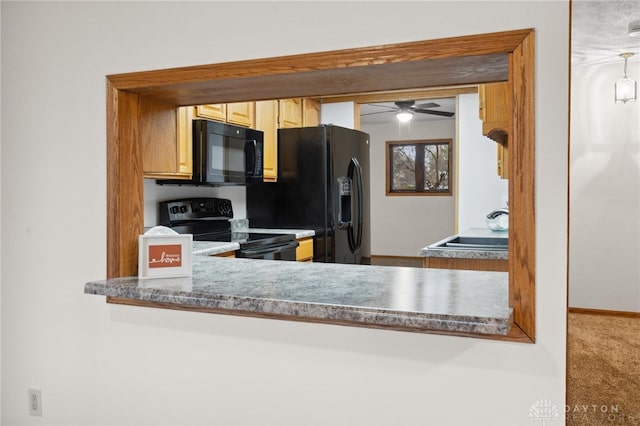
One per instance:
[(404, 116)]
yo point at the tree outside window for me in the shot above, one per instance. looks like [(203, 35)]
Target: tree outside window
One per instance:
[(419, 167)]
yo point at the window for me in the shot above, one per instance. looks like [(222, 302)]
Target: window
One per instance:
[(419, 167)]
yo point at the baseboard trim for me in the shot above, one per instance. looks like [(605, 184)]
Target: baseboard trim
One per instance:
[(590, 311), (384, 260), (384, 256)]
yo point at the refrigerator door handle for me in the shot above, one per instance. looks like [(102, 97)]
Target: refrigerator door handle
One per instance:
[(355, 175), (360, 187)]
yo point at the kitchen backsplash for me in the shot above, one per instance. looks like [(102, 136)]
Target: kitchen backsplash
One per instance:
[(154, 193), (239, 225)]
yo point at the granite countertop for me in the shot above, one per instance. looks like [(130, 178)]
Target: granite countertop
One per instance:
[(211, 248), (430, 251), (412, 299), (299, 233)]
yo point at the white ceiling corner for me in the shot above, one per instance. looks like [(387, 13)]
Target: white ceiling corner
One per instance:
[(599, 32)]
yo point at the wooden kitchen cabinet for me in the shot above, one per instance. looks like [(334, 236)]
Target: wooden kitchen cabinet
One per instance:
[(310, 112), (216, 112), (172, 159), (241, 113), (304, 252), (267, 122), (283, 113), (502, 161), (290, 113), (495, 113)]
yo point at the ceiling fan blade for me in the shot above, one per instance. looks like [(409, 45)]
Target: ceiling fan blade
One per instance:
[(377, 112), (404, 104), (434, 112), (391, 108), (427, 105)]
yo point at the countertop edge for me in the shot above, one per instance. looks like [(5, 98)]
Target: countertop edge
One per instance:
[(211, 248), (299, 233), (464, 254), (326, 313)]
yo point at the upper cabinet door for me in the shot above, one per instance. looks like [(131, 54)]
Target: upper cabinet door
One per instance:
[(185, 141), (310, 112), (495, 108), (241, 113), (216, 112), (167, 155), (290, 114), (267, 122), (495, 113)]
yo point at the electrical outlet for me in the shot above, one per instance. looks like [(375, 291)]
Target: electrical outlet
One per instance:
[(35, 402)]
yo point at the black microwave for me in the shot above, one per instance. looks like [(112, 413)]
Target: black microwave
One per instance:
[(224, 154)]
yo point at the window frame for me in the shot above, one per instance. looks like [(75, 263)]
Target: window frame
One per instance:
[(420, 145)]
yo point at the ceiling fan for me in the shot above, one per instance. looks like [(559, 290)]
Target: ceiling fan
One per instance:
[(404, 110)]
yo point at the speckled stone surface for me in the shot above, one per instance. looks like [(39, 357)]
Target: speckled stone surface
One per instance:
[(299, 233), (210, 248), (397, 297), (463, 253), (429, 251), (239, 225)]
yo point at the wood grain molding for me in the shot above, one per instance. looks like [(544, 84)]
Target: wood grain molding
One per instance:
[(132, 99), (498, 265), (430, 63), (606, 312), (412, 94), (522, 236)]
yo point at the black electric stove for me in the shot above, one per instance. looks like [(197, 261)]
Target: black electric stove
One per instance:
[(207, 219)]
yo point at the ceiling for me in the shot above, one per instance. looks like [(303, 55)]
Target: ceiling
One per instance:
[(600, 31), (598, 35)]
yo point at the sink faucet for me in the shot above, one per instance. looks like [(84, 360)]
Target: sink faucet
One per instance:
[(494, 214)]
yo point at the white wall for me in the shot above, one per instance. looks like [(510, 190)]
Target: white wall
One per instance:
[(480, 189), (154, 193), (100, 364), (0, 217), (401, 226), (605, 191), (339, 114)]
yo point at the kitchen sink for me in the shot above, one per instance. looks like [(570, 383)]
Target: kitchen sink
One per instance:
[(472, 243)]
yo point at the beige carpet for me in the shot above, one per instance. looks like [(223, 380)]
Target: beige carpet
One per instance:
[(603, 384)]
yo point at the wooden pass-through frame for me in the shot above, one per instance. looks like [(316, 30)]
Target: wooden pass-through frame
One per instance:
[(142, 107)]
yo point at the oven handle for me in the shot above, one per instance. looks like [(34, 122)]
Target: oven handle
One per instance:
[(272, 249)]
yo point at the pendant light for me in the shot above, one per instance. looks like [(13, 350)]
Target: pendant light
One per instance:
[(626, 88)]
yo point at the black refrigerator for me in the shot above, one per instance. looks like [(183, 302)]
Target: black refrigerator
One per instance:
[(323, 185)]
